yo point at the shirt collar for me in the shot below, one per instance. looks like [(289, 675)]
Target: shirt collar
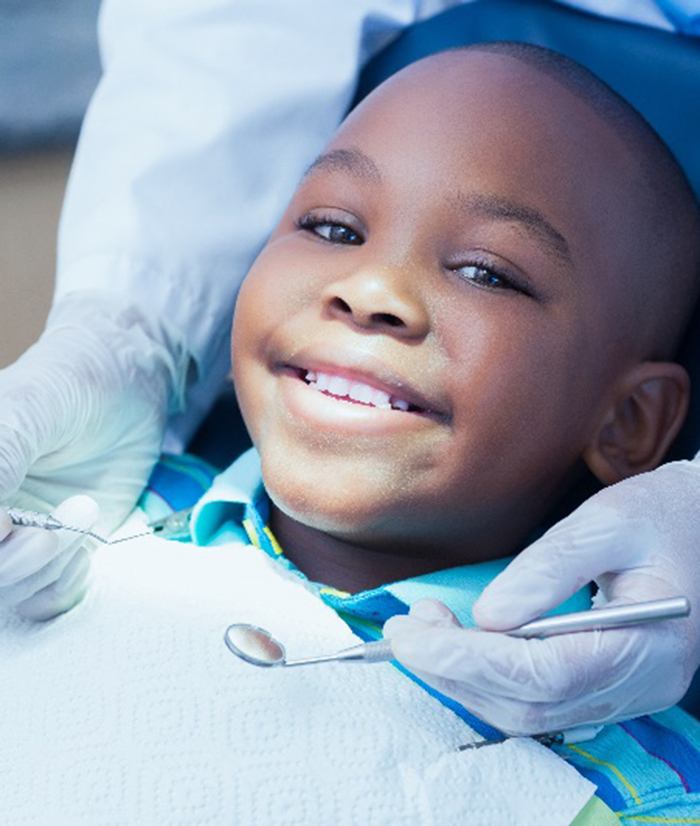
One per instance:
[(224, 504)]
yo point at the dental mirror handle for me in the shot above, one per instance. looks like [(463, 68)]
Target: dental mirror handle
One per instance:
[(598, 619), (377, 651)]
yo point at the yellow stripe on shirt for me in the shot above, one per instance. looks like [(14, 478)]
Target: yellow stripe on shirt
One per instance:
[(620, 776)]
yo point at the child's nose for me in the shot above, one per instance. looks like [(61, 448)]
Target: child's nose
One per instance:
[(378, 299)]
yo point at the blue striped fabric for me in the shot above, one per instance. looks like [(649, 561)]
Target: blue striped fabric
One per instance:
[(606, 788), (176, 483), (646, 770), (670, 747)]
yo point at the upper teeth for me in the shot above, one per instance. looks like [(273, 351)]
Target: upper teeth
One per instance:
[(356, 390)]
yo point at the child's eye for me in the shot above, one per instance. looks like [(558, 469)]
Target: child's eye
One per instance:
[(484, 275), (330, 230)]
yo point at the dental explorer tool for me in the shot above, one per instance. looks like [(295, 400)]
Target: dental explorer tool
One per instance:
[(578, 734), (47, 522), (258, 647)]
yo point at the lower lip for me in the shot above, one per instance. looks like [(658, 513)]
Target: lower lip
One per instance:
[(332, 414)]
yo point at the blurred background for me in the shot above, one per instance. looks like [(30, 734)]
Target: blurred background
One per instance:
[(49, 67)]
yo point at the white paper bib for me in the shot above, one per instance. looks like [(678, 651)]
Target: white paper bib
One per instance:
[(130, 710)]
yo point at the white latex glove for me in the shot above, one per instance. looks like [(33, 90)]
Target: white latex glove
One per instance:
[(638, 541), (83, 411), (44, 573)]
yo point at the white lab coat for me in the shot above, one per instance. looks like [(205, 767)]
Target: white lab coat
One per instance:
[(207, 113)]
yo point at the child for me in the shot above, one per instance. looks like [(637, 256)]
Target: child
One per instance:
[(473, 297), (472, 300)]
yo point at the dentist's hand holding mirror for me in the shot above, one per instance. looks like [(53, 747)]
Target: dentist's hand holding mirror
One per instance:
[(637, 542)]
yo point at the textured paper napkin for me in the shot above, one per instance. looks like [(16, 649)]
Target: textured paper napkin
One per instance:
[(130, 710)]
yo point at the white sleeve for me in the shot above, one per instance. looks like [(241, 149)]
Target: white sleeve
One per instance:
[(207, 113)]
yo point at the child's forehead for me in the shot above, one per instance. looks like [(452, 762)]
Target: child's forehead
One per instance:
[(462, 93), (487, 125)]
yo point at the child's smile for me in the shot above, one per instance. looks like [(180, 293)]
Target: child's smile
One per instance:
[(332, 382), (343, 390)]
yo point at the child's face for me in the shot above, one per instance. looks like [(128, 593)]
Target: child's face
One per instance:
[(456, 251)]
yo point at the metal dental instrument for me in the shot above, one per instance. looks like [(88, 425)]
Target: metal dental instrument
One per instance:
[(578, 734), (173, 526), (47, 522), (258, 647)]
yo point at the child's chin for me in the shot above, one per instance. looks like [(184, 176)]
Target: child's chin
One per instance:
[(327, 515), (335, 496), (327, 508)]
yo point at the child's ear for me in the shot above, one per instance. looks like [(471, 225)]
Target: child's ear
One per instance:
[(643, 418)]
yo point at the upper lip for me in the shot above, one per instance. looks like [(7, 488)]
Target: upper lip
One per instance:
[(360, 366)]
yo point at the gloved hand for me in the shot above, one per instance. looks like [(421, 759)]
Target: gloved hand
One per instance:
[(43, 573), (638, 541), (83, 411)]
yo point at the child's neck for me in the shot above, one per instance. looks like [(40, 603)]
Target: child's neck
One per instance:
[(345, 565)]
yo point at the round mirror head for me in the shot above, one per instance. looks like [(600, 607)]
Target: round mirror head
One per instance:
[(254, 645)]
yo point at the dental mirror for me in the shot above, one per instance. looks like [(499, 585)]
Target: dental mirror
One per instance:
[(254, 645), (258, 647)]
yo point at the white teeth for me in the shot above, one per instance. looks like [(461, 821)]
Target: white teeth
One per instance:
[(355, 390), (361, 393), (381, 399), (338, 386)]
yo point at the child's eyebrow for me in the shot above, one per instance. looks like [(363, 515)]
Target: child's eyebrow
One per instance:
[(503, 209), (347, 160), (492, 206)]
